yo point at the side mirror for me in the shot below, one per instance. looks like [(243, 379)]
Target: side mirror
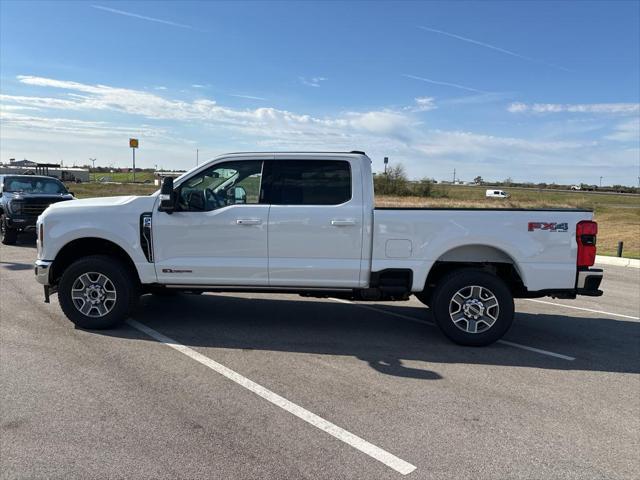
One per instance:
[(167, 199), (72, 194)]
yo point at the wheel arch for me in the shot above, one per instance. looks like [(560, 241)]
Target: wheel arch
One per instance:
[(478, 256), (83, 247)]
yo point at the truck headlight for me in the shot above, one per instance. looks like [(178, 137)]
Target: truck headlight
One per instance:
[(15, 206)]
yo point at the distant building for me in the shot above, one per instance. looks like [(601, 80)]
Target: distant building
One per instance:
[(21, 163), (27, 167)]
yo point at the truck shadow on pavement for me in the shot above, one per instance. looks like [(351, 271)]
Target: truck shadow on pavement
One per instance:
[(383, 341), (16, 266)]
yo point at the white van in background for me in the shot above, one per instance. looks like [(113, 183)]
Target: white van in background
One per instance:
[(496, 194)]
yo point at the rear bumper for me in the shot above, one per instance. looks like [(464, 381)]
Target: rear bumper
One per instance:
[(588, 282)]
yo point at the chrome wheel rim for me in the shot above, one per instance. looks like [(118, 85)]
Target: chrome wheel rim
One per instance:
[(93, 294), (474, 309)]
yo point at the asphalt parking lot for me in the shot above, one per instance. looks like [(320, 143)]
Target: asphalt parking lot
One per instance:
[(280, 386)]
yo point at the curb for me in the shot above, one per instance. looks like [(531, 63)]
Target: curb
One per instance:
[(617, 261)]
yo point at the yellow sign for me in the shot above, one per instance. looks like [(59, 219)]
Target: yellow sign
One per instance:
[(133, 143)]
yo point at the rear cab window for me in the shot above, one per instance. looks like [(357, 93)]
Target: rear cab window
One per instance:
[(309, 182)]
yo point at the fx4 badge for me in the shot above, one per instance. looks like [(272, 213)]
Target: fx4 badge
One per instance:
[(172, 270), (548, 226)]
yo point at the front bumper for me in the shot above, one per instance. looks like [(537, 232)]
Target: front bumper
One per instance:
[(588, 282), (22, 222), (42, 269)]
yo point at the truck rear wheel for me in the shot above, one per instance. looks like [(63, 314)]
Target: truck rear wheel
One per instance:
[(473, 307), (8, 235), (97, 292)]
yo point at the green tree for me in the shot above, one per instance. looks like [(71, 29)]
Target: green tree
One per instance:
[(394, 182)]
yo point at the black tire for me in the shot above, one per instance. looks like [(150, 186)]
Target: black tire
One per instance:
[(122, 282), (8, 236), (460, 331)]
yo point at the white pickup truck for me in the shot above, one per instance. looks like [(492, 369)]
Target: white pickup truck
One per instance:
[(306, 223)]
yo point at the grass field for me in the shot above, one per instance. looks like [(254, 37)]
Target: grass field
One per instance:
[(123, 176), (88, 190), (618, 216)]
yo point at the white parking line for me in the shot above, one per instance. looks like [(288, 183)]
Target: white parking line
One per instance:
[(582, 308), (417, 320), (349, 438), (537, 350)]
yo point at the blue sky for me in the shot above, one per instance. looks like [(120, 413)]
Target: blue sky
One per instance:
[(539, 91)]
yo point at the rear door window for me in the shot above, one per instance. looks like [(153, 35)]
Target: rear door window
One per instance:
[(310, 182)]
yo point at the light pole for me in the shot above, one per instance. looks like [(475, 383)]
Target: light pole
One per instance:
[(197, 155), (600, 181)]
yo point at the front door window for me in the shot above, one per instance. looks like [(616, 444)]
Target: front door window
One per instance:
[(224, 184)]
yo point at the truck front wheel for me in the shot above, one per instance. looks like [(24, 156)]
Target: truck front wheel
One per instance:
[(97, 292), (473, 307), (8, 235)]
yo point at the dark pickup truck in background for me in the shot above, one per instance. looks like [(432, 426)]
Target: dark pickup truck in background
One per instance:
[(23, 198)]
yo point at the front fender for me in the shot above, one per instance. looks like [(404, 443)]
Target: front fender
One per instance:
[(118, 223)]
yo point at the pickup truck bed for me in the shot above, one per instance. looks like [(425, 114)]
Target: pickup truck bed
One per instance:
[(418, 237)]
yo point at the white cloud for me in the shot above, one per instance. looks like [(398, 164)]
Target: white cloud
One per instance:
[(611, 108), (74, 127), (517, 107), (397, 133), (459, 142), (423, 104), (160, 87), (628, 131), (313, 81), (153, 106), (479, 99), (199, 85), (16, 108)]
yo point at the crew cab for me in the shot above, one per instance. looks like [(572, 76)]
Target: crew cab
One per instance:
[(22, 199), (306, 223)]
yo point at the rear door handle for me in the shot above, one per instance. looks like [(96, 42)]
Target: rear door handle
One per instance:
[(248, 221), (342, 223)]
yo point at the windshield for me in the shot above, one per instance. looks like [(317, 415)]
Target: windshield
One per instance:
[(33, 185)]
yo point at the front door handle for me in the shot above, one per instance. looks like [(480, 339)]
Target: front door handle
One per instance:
[(342, 223), (248, 221)]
